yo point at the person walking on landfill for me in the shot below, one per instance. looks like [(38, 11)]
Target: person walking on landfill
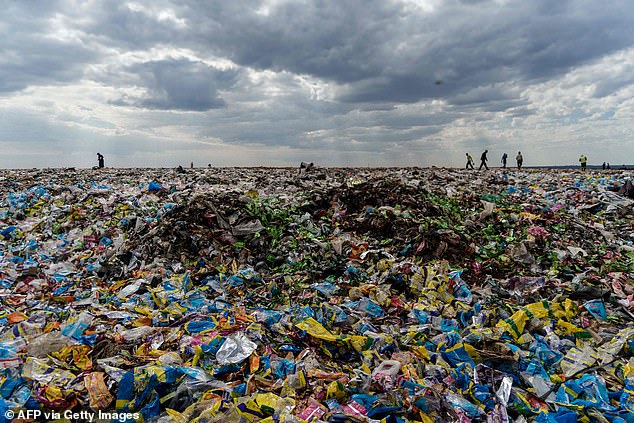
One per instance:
[(584, 161), (469, 162), (519, 159), (483, 160), (504, 157), (603, 166), (100, 160)]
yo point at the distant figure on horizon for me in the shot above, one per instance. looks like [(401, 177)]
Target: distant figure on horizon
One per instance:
[(483, 160), (608, 166), (305, 167), (469, 162), (100, 160), (603, 165), (504, 157), (519, 159), (584, 161), (191, 165)]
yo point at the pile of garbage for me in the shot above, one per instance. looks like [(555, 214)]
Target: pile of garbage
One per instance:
[(253, 294)]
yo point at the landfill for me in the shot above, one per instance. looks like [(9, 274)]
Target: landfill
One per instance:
[(327, 295)]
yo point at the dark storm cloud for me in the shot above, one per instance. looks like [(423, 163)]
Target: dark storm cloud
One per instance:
[(379, 51), (180, 85), (135, 25), (498, 44), (375, 50)]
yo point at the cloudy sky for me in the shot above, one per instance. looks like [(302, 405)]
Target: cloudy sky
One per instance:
[(337, 82)]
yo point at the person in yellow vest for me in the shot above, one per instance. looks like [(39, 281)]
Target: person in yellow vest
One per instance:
[(584, 161), (469, 161)]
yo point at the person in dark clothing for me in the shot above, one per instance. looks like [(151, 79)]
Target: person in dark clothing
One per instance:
[(100, 160), (603, 165), (504, 157), (483, 160)]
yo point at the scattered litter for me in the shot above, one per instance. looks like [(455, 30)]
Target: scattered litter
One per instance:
[(246, 295)]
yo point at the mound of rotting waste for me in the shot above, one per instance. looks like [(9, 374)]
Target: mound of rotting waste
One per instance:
[(265, 230), (332, 295)]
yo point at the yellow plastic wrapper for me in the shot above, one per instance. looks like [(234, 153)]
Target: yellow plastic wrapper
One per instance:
[(78, 354), (514, 324), (409, 372), (360, 343), (273, 402), (577, 360), (200, 411), (570, 329), (335, 390), (420, 351), (260, 406), (249, 410), (473, 353), (53, 393), (198, 352), (570, 309), (517, 322), (525, 339), (316, 330), (543, 309), (426, 419), (628, 369)]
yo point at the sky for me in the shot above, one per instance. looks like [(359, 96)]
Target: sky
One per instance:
[(337, 82)]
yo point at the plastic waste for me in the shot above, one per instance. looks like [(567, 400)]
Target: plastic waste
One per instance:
[(235, 349), (385, 373), (9, 350), (237, 294), (46, 343)]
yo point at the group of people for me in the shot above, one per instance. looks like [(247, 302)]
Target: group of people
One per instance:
[(483, 160), (519, 159), (583, 160)]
